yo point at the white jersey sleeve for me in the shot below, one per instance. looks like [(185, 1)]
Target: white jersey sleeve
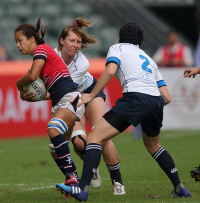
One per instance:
[(114, 55), (78, 69), (159, 79)]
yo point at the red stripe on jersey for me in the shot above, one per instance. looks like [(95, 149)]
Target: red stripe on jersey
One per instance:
[(54, 67), (50, 82), (40, 51)]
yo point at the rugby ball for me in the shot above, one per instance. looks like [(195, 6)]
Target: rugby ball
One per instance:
[(38, 88)]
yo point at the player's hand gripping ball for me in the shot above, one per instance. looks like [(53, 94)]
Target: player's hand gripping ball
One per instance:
[(38, 88)]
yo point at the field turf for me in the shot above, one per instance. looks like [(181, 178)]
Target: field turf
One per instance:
[(28, 173)]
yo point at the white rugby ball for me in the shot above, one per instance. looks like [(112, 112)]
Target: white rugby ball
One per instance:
[(38, 88)]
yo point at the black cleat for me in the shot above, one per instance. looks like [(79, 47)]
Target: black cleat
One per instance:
[(196, 173)]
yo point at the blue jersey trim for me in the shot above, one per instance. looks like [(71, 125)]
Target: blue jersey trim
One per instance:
[(161, 83), (113, 59), (75, 84)]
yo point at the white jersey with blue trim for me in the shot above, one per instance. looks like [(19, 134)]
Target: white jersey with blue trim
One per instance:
[(136, 71), (78, 69)]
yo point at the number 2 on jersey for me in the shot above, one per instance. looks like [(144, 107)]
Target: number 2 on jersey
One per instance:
[(145, 64)]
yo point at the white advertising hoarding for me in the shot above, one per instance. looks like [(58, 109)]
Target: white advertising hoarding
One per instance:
[(184, 110)]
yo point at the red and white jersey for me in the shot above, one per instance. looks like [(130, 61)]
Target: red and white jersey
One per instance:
[(54, 73)]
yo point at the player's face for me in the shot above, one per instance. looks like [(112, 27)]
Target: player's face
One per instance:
[(23, 44), (71, 44)]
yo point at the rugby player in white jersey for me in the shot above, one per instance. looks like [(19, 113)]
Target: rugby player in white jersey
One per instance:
[(72, 38), (141, 103)]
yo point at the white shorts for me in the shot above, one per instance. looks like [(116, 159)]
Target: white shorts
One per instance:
[(69, 101)]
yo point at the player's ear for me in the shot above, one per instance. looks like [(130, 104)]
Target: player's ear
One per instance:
[(61, 41), (32, 39)]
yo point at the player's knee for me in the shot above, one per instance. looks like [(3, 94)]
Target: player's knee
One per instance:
[(78, 144), (152, 147), (79, 141), (56, 126), (106, 144)]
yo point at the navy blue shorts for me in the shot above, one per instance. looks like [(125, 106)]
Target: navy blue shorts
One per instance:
[(91, 87), (134, 108)]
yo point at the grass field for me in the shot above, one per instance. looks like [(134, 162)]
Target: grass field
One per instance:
[(28, 173)]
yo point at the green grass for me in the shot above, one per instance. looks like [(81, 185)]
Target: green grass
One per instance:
[(28, 173)]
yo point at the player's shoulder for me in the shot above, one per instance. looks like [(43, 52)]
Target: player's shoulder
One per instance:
[(58, 52), (44, 47), (80, 57), (120, 46)]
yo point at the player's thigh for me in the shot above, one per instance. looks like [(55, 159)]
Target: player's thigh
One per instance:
[(95, 110), (68, 134), (67, 116), (81, 125), (102, 132)]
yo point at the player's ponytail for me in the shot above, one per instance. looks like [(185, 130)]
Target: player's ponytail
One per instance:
[(81, 22), (77, 27), (42, 30)]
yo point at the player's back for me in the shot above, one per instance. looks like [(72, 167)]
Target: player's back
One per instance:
[(137, 72)]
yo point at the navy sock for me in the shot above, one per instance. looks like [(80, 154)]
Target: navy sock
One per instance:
[(60, 166), (167, 164), (75, 171), (91, 161), (62, 150), (115, 174)]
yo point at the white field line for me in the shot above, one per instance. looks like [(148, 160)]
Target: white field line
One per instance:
[(35, 188)]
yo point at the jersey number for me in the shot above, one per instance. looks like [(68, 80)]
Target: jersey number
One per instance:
[(145, 64)]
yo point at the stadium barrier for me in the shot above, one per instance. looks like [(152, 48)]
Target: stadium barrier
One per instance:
[(23, 119)]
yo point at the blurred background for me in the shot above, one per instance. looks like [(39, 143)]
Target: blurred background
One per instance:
[(157, 17)]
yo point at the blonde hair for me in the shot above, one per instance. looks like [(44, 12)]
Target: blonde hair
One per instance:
[(76, 27)]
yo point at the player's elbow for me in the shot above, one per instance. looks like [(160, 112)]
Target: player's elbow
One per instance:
[(111, 72), (32, 77)]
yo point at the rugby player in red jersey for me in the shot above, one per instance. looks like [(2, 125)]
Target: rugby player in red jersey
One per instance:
[(61, 90)]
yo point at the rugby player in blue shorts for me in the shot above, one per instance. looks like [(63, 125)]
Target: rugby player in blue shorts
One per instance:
[(141, 103)]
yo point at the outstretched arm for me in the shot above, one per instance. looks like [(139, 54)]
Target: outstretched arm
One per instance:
[(103, 80), (191, 72)]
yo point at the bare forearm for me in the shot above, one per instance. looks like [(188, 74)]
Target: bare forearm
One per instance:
[(25, 80), (165, 94), (101, 83)]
